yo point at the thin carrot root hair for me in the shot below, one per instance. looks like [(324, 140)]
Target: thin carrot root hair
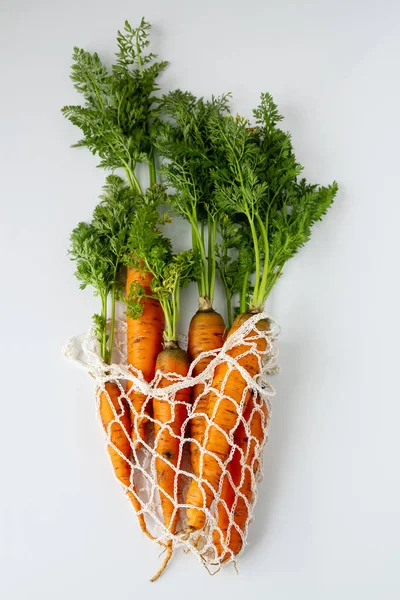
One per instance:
[(166, 560)]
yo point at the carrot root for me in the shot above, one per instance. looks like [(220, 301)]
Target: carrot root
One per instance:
[(231, 389), (144, 343), (166, 560), (116, 423), (232, 509), (206, 333), (169, 417)]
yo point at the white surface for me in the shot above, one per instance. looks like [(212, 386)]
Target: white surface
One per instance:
[(328, 516)]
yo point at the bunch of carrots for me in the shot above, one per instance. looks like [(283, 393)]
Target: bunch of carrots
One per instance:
[(238, 186)]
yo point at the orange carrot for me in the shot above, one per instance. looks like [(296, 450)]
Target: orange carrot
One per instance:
[(144, 343), (231, 391), (169, 418), (232, 509), (115, 419), (171, 273), (206, 332)]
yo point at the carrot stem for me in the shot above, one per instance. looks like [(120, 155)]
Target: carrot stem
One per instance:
[(256, 254), (112, 325), (260, 298), (210, 253), (177, 307), (103, 349), (212, 263), (132, 179), (169, 318), (198, 244), (152, 169), (243, 295), (228, 307), (272, 281)]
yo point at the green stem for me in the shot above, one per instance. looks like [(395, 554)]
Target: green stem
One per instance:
[(132, 179), (195, 248), (260, 299), (272, 282), (198, 244), (256, 256), (229, 308), (112, 325), (210, 254), (152, 169), (103, 349), (171, 308), (138, 55), (169, 330), (93, 81), (211, 250), (243, 295), (173, 318), (228, 295), (177, 304)]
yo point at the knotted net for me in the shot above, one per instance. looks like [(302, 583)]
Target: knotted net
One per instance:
[(224, 534)]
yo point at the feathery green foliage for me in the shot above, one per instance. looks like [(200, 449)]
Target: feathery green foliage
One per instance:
[(98, 249), (257, 182), (118, 118), (184, 140), (229, 178)]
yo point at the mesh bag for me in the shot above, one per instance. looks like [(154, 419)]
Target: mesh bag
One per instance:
[(224, 535)]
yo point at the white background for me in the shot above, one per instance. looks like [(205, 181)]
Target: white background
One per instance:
[(327, 522)]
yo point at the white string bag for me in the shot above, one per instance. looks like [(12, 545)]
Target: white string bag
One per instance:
[(84, 351)]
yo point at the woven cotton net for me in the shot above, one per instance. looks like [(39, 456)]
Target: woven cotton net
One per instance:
[(213, 543)]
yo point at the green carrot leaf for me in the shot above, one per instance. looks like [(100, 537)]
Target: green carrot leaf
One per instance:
[(118, 117)]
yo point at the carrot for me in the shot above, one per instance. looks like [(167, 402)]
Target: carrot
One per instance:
[(144, 343), (98, 249), (188, 127), (231, 391), (232, 509), (115, 419), (169, 418), (171, 272), (206, 332)]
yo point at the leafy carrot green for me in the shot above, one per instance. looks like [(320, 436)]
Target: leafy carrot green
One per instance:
[(184, 140), (98, 249), (151, 251), (118, 118), (258, 184)]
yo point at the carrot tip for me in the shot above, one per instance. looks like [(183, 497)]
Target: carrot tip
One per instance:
[(165, 562)]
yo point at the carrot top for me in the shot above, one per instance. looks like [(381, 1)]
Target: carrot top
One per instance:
[(269, 209), (98, 249), (184, 139), (151, 251), (119, 118)]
